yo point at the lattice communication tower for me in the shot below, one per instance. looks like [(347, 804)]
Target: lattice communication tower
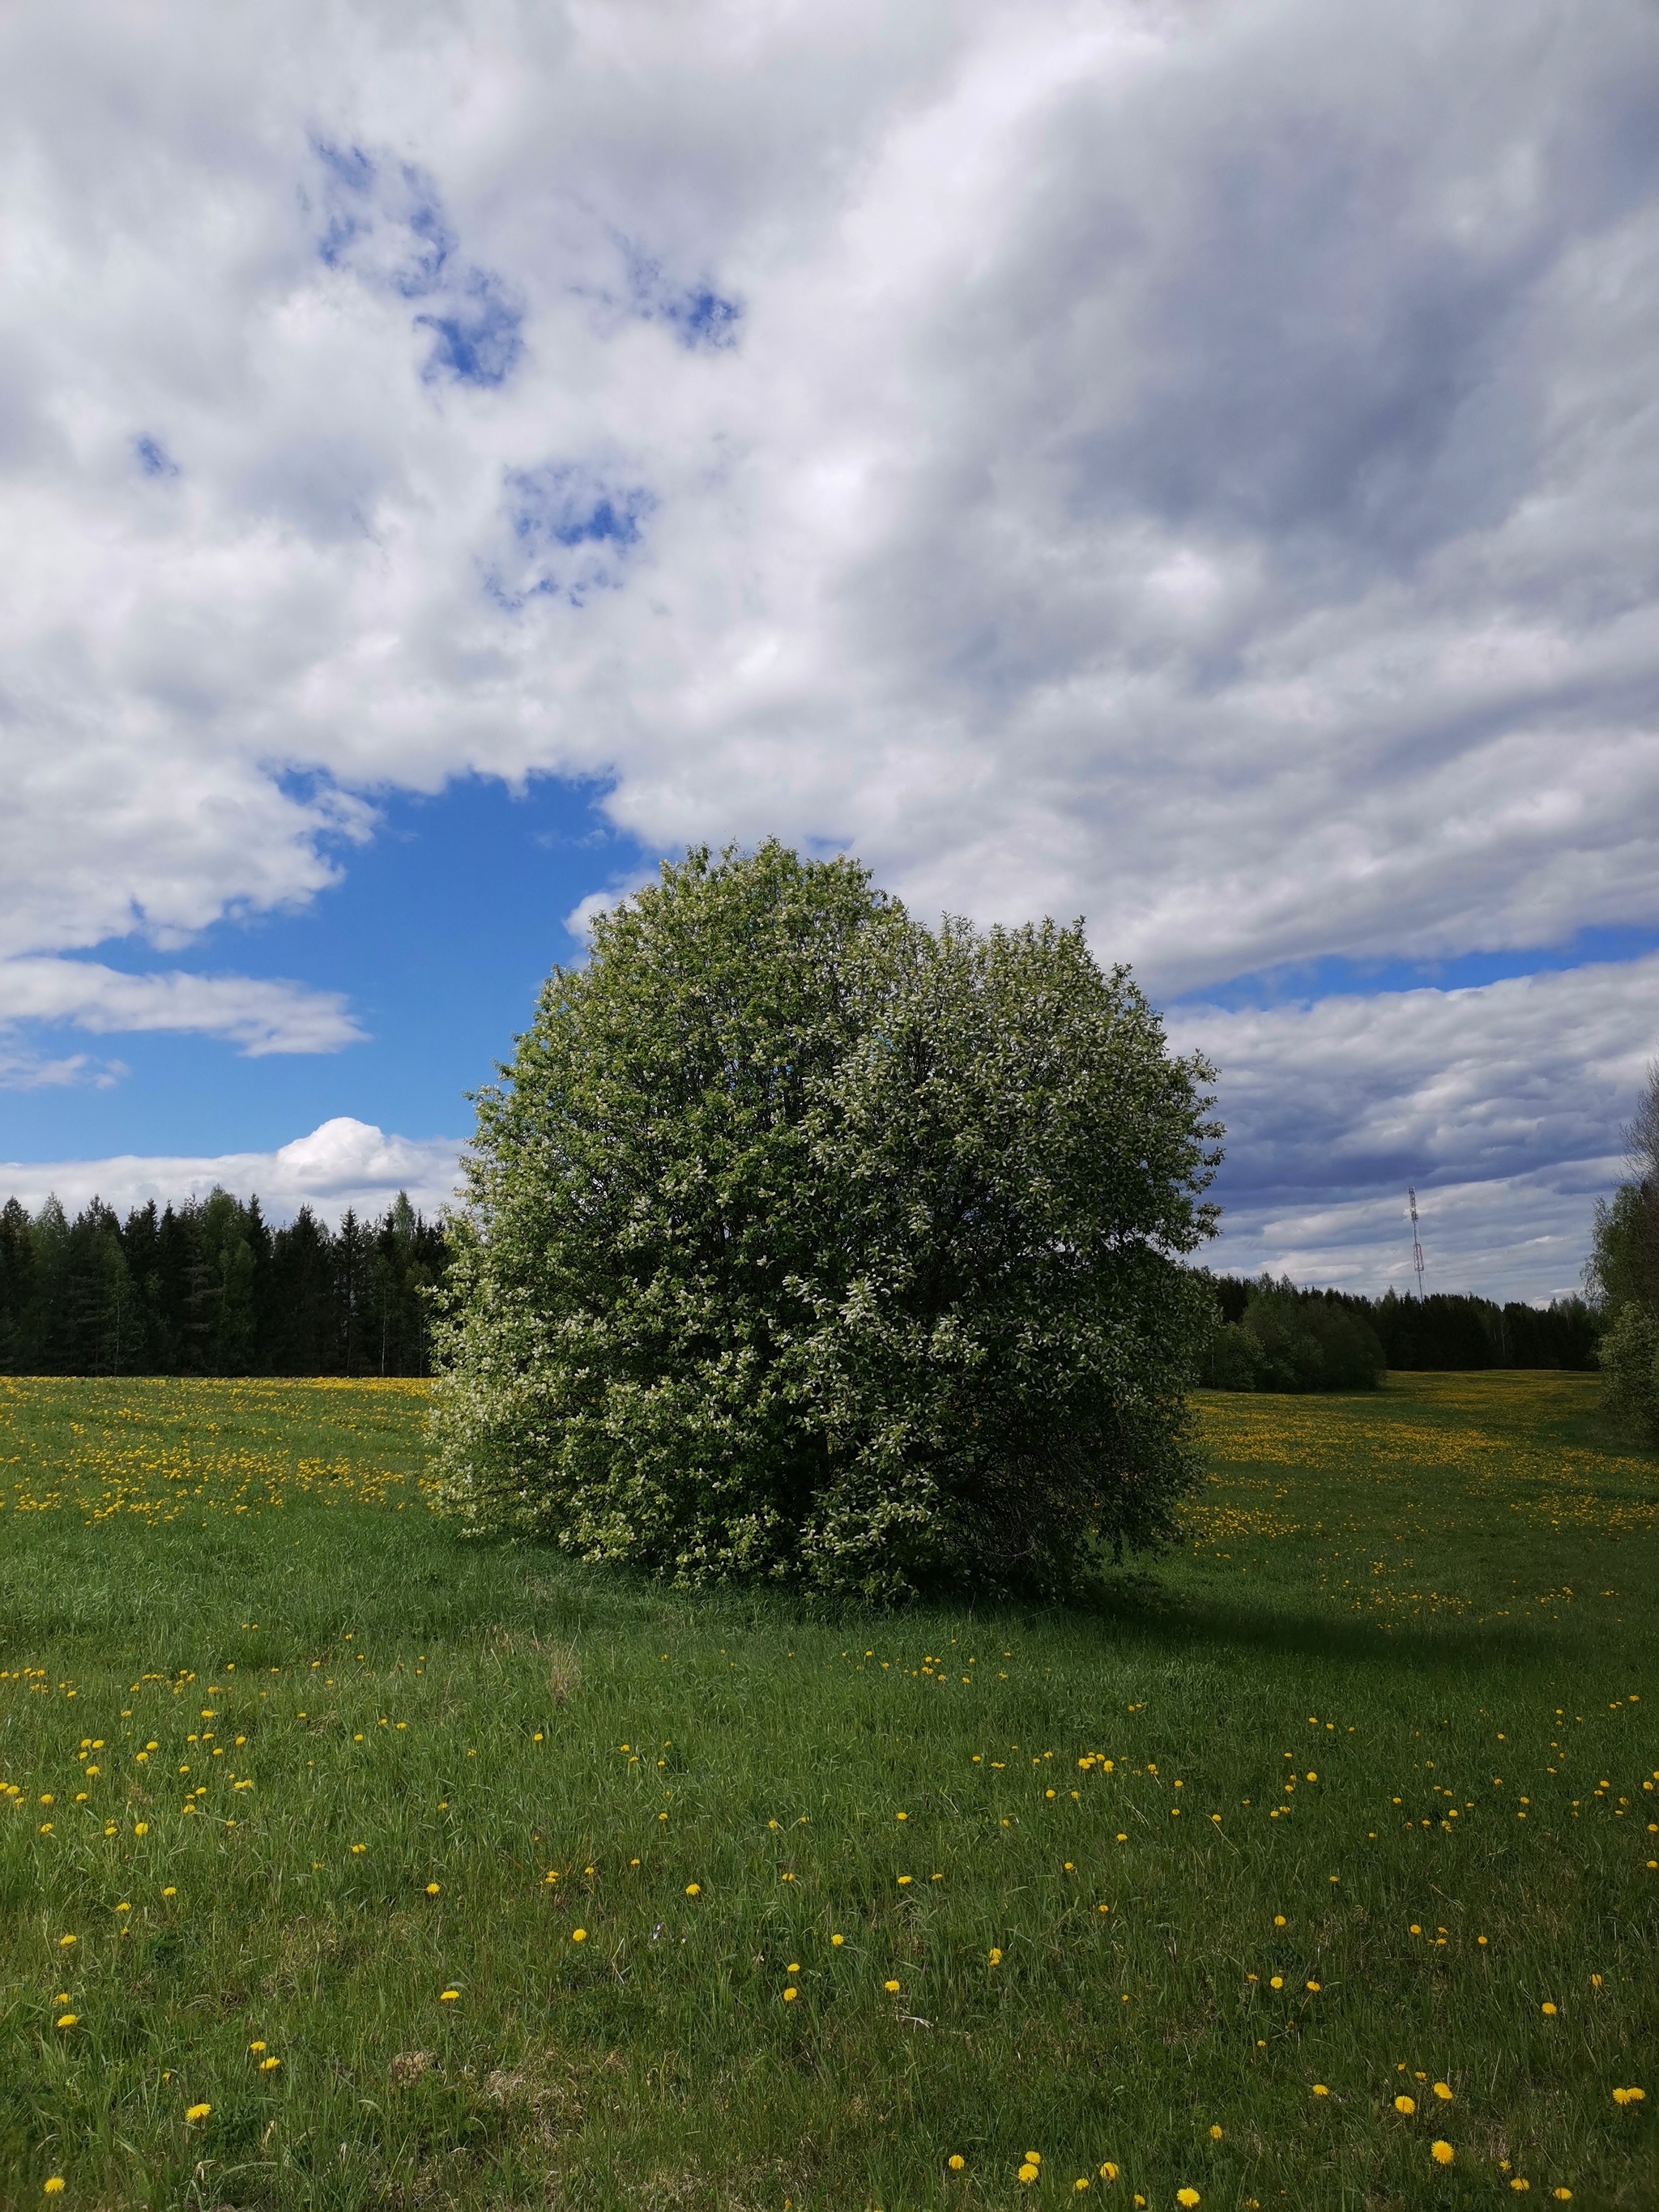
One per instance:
[(1416, 1242)]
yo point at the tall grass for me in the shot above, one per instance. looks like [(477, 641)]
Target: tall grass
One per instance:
[(513, 1867)]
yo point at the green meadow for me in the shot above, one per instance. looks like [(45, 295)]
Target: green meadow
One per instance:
[(346, 1862)]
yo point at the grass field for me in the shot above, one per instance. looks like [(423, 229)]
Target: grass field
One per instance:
[(347, 1864)]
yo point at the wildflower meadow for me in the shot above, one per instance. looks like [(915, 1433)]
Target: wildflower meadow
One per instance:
[(347, 1862)]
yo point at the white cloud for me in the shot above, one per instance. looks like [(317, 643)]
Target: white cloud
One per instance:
[(1192, 465), (1513, 1236), (1196, 466), (261, 1016), (1503, 1105), (343, 1163)]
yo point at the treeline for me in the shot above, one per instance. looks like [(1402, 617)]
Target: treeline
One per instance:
[(1275, 1337), (1624, 1272), (210, 1288)]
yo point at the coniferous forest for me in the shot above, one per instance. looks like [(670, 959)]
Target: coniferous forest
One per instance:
[(210, 1288), (1275, 1337)]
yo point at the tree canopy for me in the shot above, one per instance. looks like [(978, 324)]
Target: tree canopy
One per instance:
[(209, 1288), (805, 1244), (1623, 1272)]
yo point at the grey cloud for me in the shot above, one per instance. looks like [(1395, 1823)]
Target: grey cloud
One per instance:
[(1194, 467), (1334, 1108), (1520, 1237)]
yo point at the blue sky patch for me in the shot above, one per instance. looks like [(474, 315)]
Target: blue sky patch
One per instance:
[(386, 222), (480, 340), (573, 526), (1304, 983), (154, 458), (703, 319), (441, 931)]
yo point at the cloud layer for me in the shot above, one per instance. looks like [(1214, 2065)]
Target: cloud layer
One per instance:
[(1195, 465), (1501, 1105), (343, 1163)]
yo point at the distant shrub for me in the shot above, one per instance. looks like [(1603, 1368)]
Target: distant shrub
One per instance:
[(1234, 1361), (1630, 1363), (1292, 1340), (810, 1246)]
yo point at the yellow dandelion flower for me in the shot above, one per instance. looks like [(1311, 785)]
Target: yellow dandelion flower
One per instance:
[(1548, 2011), (68, 2020), (1215, 2135), (694, 1889), (891, 1988), (1313, 1986), (1108, 2171), (1081, 2182), (432, 1889), (955, 2161), (449, 1996), (256, 2048), (64, 1941), (269, 2065), (1518, 2183), (1565, 2195), (1187, 2196), (197, 2113), (1320, 2090), (52, 2186), (1442, 2154), (141, 1827), (579, 1935), (790, 1994), (1276, 1982), (1028, 2174), (837, 1941), (1407, 2104)]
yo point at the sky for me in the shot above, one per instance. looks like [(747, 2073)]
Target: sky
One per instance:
[(1195, 466)]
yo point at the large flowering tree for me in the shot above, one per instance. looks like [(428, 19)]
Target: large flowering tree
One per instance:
[(805, 1244)]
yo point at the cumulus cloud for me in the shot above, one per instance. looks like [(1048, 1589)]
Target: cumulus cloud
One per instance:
[(344, 1163), (1193, 465), (261, 1017), (1501, 1104)]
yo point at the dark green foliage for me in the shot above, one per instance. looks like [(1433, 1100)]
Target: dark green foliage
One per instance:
[(1233, 1361), (1623, 1275), (809, 1246), (1630, 1361), (208, 1289), (1310, 1343), (1275, 1337), (1289, 1339)]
